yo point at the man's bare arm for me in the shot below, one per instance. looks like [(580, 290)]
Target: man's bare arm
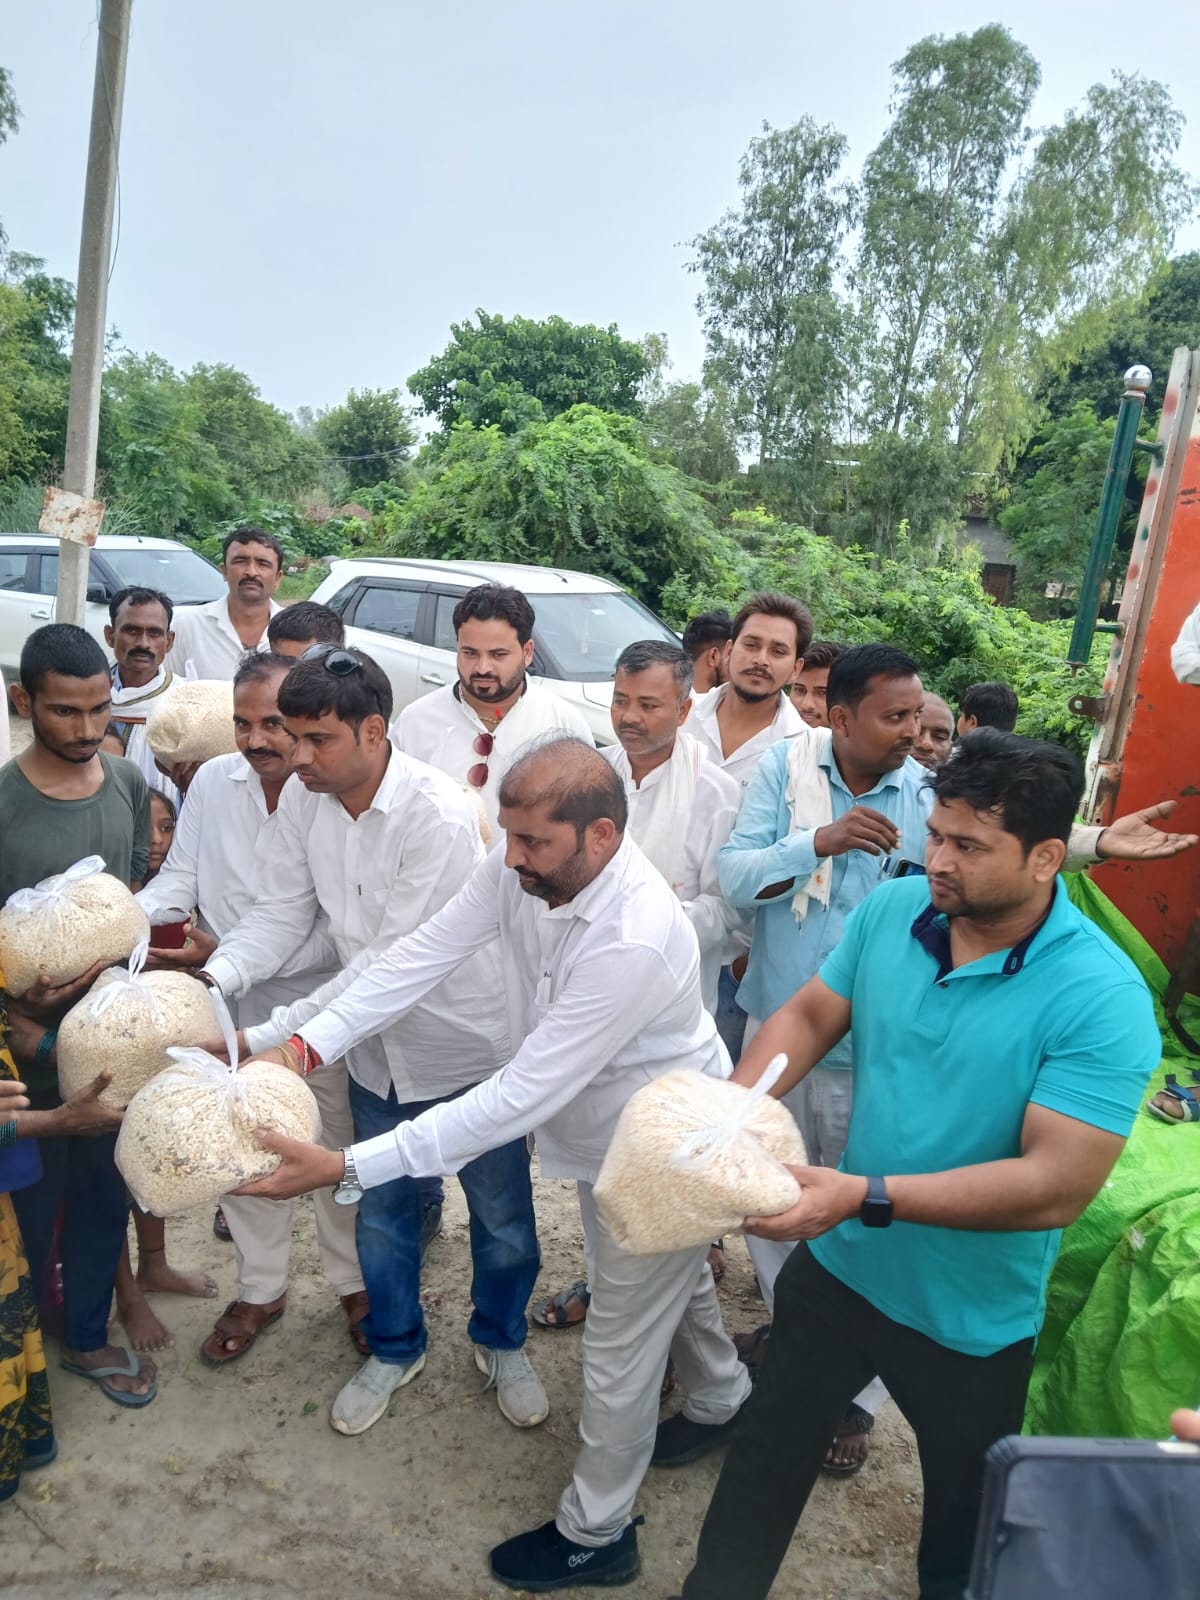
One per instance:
[(804, 1029)]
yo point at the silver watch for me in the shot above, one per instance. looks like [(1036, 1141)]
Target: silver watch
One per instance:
[(350, 1191)]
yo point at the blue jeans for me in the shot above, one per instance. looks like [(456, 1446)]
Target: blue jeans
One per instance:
[(80, 1176), (504, 1247), (730, 1018)]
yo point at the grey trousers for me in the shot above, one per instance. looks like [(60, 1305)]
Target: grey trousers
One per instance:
[(642, 1309)]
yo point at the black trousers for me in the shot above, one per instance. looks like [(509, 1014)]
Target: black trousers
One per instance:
[(826, 1343)]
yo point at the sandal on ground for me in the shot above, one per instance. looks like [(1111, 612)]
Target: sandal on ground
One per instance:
[(557, 1303), (357, 1306), (221, 1227), (752, 1349), (716, 1259), (856, 1421), (1173, 1104), (242, 1322), (99, 1375), (668, 1382)]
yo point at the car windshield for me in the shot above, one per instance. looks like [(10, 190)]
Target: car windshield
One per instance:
[(184, 575), (580, 636)]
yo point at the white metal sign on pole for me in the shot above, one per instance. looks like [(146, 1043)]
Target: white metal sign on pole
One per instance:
[(91, 298)]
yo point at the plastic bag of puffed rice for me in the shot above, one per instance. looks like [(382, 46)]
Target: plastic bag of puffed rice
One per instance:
[(193, 721), (693, 1156), (125, 1025), (188, 1136), (65, 924)]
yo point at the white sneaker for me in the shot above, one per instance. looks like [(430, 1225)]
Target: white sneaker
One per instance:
[(367, 1396), (519, 1391)]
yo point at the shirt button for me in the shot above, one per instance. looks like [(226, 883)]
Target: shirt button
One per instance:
[(943, 984)]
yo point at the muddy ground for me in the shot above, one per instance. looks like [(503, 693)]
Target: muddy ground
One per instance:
[(232, 1484)]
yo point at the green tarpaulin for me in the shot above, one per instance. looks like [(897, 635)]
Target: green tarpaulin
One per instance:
[(1121, 1345)]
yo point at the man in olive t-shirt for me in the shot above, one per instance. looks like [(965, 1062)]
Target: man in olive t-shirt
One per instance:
[(61, 800)]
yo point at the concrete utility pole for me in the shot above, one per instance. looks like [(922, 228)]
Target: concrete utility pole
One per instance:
[(91, 293)]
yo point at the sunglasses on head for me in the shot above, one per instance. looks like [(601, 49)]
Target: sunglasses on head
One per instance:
[(483, 746), (339, 662)]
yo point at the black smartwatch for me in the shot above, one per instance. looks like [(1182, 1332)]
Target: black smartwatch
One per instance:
[(876, 1209)]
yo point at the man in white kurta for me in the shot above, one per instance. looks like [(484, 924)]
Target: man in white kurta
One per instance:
[(139, 634), (210, 640), (602, 992), (474, 729)]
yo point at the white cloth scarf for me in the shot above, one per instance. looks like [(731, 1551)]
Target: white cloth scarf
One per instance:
[(810, 802), (662, 827), (124, 699)]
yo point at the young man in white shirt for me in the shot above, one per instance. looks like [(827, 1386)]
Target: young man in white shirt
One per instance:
[(378, 843), (474, 729), (704, 639), (215, 865), (139, 635), (602, 989), (215, 637)]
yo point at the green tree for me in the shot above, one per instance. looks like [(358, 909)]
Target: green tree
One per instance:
[(262, 453), (774, 326), (368, 436), (578, 490), (36, 313), (505, 373), (10, 120), (692, 426)]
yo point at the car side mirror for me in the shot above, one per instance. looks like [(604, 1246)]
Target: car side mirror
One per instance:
[(97, 594)]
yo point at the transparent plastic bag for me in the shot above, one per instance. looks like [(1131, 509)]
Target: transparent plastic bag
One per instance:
[(193, 721), (125, 1025), (65, 924), (189, 1135), (693, 1156)]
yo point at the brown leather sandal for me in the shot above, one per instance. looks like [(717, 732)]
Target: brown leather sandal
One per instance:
[(357, 1306), (243, 1322)]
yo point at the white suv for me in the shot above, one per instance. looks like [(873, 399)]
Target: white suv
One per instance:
[(401, 613), (29, 581)]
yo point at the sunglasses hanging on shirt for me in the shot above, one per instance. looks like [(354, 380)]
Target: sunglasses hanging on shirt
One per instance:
[(483, 745)]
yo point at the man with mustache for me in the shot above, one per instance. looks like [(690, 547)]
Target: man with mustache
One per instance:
[(935, 737), (215, 637), (139, 636), (474, 729)]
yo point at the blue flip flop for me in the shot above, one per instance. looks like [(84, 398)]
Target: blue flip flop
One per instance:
[(1189, 1106), (120, 1397)]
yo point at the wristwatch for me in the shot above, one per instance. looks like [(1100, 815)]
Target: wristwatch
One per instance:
[(876, 1209), (350, 1191)]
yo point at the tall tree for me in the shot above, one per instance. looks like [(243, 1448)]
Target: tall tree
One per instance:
[(509, 372), (368, 436), (772, 320), (10, 121)]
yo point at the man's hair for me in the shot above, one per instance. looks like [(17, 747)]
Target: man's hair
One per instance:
[(310, 690), (135, 595), (821, 653), (993, 705), (769, 603), (706, 630), (60, 647), (658, 653), (1034, 788), (307, 619), (571, 777), (252, 536), (496, 602), (850, 675), (256, 666)]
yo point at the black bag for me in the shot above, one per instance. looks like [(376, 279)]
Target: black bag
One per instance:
[(1088, 1519)]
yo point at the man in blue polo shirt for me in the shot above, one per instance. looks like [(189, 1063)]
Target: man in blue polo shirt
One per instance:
[(1001, 1046)]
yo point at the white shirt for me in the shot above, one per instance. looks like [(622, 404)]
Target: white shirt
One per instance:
[(705, 827), (603, 993), (702, 724), (215, 865), (441, 728), (205, 637), (377, 877), (1185, 652), (130, 708)]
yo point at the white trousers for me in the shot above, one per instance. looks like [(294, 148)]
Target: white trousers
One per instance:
[(262, 1229), (821, 1104), (643, 1309)]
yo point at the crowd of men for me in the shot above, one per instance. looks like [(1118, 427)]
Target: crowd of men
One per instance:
[(465, 925)]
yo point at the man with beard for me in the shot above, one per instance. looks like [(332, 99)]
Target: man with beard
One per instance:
[(1001, 1044), (602, 994), (934, 743), (213, 638), (370, 844), (62, 799), (216, 865), (139, 636), (474, 729)]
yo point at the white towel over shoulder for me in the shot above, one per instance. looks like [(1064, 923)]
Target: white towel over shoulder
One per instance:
[(811, 805)]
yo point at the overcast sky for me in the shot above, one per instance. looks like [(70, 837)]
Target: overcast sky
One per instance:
[(314, 192)]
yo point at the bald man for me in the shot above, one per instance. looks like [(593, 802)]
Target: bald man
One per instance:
[(602, 979), (935, 736)]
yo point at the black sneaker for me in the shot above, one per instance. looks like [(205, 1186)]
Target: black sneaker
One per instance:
[(431, 1226), (544, 1559), (680, 1440)]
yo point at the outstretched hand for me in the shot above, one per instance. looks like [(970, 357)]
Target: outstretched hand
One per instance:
[(45, 1001), (827, 1197), (1134, 837), (302, 1167)]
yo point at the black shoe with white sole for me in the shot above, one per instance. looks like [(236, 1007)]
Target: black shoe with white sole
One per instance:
[(544, 1559), (680, 1440)]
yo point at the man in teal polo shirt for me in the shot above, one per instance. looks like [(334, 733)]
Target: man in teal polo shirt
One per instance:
[(1001, 1046)]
